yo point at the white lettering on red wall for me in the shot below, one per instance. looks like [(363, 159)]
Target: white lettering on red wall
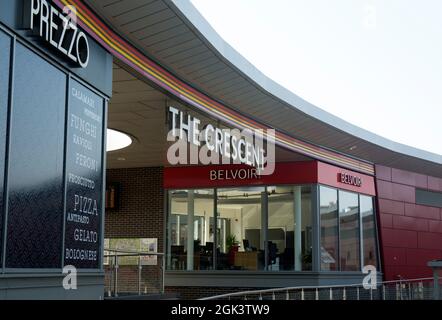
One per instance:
[(233, 174), (349, 179)]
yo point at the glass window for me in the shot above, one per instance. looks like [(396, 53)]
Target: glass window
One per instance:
[(368, 231), (349, 231), (290, 228), (190, 232), (329, 228), (239, 238), (240, 232)]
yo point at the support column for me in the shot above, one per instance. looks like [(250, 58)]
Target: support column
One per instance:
[(436, 283), (169, 230), (264, 226), (202, 230), (215, 227), (316, 240), (178, 230), (190, 227), (298, 227), (207, 227), (223, 235)]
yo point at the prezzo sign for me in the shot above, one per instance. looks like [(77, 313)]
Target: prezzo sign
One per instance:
[(349, 179), (57, 28)]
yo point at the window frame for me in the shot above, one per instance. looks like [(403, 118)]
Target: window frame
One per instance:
[(316, 228)]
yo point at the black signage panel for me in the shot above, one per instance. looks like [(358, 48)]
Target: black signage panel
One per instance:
[(5, 42), (35, 176), (96, 62), (84, 174), (58, 29)]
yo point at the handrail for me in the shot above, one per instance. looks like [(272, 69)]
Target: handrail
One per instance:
[(275, 290), (407, 280), (114, 277), (135, 252)]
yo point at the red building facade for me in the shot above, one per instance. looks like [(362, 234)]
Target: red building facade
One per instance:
[(410, 233)]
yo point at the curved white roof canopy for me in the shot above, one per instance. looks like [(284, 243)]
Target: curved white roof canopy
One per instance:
[(175, 34)]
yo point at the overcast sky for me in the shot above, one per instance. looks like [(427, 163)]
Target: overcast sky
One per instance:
[(376, 64)]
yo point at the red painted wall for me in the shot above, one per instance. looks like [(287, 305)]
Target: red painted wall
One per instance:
[(410, 234)]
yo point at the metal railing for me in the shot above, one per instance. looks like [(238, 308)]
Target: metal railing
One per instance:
[(133, 273), (410, 289)]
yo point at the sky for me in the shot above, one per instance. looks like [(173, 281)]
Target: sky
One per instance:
[(375, 64)]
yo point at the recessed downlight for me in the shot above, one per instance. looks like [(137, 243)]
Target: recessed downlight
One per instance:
[(117, 140)]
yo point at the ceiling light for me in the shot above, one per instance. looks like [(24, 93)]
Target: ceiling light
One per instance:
[(117, 140)]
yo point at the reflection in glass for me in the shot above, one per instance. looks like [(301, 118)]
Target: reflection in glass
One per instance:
[(329, 228), (368, 231), (190, 230), (5, 42), (239, 229), (349, 231), (290, 228), (35, 183), (237, 238)]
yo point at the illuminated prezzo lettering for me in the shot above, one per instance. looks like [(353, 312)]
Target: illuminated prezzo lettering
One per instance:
[(58, 30)]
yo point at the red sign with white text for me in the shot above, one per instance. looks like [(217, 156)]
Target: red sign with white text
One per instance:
[(218, 176), (345, 179)]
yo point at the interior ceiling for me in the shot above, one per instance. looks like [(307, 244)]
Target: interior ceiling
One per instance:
[(138, 109), (163, 33)]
